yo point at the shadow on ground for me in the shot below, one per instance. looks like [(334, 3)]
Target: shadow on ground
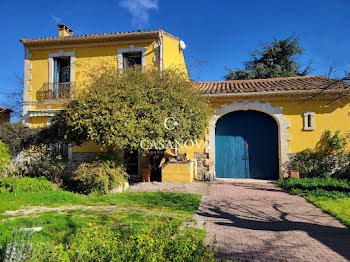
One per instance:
[(270, 214)]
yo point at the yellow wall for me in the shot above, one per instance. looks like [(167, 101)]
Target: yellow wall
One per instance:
[(88, 147), (38, 121), (178, 172), (172, 54), (89, 59), (335, 116)]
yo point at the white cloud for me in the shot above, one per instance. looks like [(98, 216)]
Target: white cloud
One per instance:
[(139, 10), (56, 19)]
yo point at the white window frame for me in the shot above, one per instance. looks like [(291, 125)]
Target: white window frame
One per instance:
[(61, 53), (131, 49), (307, 115)]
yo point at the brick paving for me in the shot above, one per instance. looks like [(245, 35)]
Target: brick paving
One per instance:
[(256, 221), (201, 188)]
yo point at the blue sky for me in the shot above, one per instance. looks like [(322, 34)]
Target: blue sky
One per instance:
[(218, 33)]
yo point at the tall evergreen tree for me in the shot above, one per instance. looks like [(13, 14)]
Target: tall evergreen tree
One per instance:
[(274, 59)]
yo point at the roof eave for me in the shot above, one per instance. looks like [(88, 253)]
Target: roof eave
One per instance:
[(281, 93), (91, 38)]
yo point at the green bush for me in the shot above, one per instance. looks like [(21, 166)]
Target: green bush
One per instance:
[(325, 187), (4, 157), (165, 242), (99, 176), (25, 184), (37, 163), (327, 159), (16, 136)]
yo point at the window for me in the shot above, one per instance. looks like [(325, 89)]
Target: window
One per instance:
[(131, 56), (61, 80), (61, 69), (309, 121), (132, 59)]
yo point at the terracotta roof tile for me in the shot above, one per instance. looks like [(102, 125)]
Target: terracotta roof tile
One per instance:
[(4, 109), (301, 83), (96, 37)]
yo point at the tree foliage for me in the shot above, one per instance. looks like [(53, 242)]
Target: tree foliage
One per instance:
[(17, 136), (121, 109), (274, 59)]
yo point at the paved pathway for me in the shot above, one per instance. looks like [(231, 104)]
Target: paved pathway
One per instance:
[(193, 188), (256, 221)]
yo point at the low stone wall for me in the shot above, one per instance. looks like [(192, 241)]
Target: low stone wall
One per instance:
[(201, 167), (80, 157)]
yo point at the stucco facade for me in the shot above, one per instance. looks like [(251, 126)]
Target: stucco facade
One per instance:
[(291, 108)]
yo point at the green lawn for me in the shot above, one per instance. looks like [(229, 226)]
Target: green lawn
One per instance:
[(339, 208), (330, 194), (128, 212)]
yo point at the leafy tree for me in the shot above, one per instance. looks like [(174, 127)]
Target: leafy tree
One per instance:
[(274, 59), (122, 109)]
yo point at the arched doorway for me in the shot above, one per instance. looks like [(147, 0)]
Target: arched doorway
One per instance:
[(246, 146)]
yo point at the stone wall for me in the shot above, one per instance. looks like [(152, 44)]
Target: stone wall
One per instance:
[(80, 157), (201, 167)]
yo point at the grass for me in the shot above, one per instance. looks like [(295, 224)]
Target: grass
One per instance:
[(131, 211), (175, 202), (330, 194), (339, 208)]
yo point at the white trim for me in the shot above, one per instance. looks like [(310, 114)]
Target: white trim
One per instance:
[(43, 112), (26, 86), (275, 112), (161, 50), (131, 48), (306, 122)]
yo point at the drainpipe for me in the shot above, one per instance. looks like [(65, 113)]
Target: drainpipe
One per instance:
[(161, 50)]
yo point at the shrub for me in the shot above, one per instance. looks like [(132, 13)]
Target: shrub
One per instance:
[(164, 242), (4, 157), (328, 158), (16, 136), (25, 184), (325, 187), (38, 163), (99, 176)]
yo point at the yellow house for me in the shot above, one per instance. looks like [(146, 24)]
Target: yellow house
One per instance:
[(53, 66), (256, 126)]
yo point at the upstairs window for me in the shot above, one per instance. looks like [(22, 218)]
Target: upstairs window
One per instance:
[(61, 69), (132, 59), (309, 121)]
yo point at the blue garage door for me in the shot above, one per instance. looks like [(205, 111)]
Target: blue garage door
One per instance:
[(246, 146)]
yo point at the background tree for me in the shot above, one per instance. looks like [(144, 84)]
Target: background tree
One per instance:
[(122, 109), (274, 59), (14, 98)]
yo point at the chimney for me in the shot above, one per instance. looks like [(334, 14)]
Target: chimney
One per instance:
[(64, 30)]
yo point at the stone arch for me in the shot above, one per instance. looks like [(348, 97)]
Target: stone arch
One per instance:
[(275, 112)]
